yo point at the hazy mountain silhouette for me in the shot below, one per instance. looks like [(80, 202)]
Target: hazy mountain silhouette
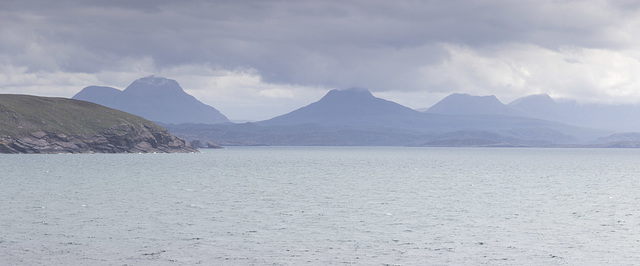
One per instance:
[(536, 105), (356, 117), (542, 106), (351, 108), (612, 118), (619, 118), (99, 93), (465, 104), (154, 98)]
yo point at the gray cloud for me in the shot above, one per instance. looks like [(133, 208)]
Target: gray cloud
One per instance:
[(381, 45)]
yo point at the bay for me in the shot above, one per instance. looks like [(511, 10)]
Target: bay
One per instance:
[(323, 205)]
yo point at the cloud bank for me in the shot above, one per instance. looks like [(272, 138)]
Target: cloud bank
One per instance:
[(255, 59)]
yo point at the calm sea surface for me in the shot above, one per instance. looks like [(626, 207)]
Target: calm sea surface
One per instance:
[(323, 205)]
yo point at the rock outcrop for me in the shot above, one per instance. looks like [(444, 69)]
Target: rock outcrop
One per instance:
[(30, 124)]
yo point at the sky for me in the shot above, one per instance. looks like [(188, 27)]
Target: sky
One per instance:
[(254, 60)]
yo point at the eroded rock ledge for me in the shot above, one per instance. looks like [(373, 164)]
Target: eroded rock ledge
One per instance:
[(119, 139)]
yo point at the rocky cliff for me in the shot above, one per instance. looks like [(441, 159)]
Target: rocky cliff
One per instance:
[(31, 124)]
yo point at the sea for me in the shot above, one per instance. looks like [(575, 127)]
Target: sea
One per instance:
[(323, 206)]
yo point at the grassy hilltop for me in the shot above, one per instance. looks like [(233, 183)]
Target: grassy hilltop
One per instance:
[(32, 124), (22, 114)]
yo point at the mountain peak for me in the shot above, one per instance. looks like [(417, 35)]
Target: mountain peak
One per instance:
[(533, 99), (105, 94), (154, 98), (540, 106), (153, 80), (472, 98), (466, 104), (155, 84), (351, 94), (345, 107), (351, 91)]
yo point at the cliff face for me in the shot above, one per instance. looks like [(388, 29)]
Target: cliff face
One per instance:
[(120, 139), (30, 124)]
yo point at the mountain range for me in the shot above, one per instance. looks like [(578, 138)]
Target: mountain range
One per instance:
[(613, 118), (356, 117), (155, 98)]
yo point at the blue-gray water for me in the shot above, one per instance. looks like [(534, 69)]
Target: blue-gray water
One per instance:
[(323, 205)]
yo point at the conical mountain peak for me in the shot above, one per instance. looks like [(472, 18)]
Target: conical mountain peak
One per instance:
[(341, 107)]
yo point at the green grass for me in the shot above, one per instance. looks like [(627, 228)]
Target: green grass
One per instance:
[(23, 114)]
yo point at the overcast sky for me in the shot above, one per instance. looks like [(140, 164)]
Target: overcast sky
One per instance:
[(253, 60)]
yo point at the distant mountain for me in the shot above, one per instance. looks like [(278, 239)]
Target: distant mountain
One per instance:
[(542, 106), (154, 98), (620, 118), (99, 93), (603, 117), (349, 108), (535, 103), (342, 117), (465, 104), (356, 117), (31, 124)]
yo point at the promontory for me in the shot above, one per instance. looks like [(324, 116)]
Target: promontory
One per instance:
[(33, 124)]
